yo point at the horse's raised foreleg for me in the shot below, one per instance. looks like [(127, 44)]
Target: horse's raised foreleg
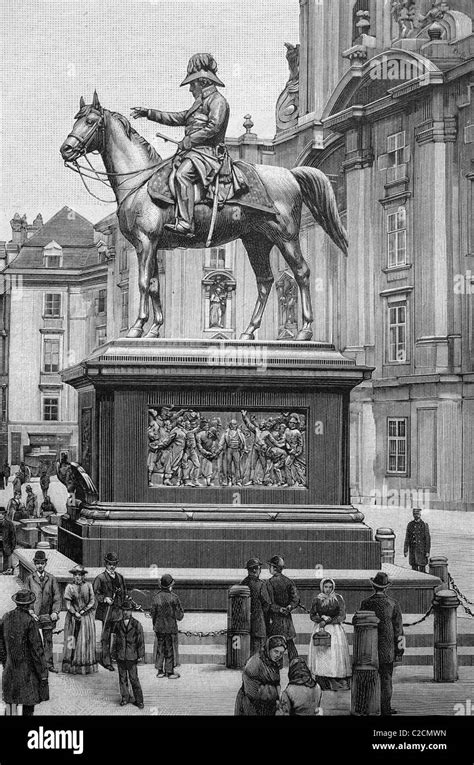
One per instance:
[(291, 252), (145, 255), (258, 249)]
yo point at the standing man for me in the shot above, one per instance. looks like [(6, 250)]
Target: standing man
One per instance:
[(45, 609), (417, 542), (31, 503), (257, 617), (8, 541), (390, 636), (110, 592), (166, 612), (128, 648), (198, 158), (281, 598), (233, 444), (25, 673), (44, 482), (6, 473)]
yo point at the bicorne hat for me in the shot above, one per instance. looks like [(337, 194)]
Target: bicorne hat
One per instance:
[(202, 65)]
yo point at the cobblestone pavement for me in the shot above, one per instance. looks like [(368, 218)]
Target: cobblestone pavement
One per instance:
[(205, 689)]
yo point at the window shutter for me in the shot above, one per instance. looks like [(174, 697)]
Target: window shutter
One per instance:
[(383, 162)]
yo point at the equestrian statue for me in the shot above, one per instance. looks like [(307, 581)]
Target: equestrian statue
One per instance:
[(200, 195)]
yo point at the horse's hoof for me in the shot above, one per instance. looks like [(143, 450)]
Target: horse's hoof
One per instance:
[(135, 332), (247, 336), (154, 331), (304, 334)]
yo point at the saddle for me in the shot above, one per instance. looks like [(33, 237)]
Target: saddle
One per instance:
[(238, 185)]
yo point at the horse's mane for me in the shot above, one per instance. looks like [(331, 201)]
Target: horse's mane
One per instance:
[(130, 132)]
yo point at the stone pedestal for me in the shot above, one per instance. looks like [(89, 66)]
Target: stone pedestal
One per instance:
[(151, 519)]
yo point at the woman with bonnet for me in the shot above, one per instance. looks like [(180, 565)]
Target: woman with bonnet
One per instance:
[(329, 658)]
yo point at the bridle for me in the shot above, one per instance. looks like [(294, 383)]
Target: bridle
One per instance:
[(90, 172)]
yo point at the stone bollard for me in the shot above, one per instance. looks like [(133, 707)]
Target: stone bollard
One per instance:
[(238, 627), (445, 662), (439, 567), (386, 537), (365, 691)]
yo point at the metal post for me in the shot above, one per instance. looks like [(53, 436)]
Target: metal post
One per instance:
[(439, 567), (386, 537), (365, 692), (445, 661), (238, 626)]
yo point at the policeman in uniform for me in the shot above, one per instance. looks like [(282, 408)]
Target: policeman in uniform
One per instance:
[(198, 158), (417, 542)]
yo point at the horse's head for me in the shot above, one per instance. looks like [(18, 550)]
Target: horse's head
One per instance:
[(87, 132)]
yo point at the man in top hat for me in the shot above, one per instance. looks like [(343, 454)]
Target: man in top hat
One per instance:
[(47, 605), (25, 673), (417, 542), (281, 598), (258, 630), (128, 648), (390, 635), (205, 126), (109, 591), (166, 612), (8, 541)]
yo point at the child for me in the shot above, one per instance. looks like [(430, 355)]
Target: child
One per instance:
[(128, 648), (166, 611), (302, 695)]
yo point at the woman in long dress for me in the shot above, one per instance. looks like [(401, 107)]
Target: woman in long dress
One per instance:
[(330, 665), (260, 691), (79, 655)]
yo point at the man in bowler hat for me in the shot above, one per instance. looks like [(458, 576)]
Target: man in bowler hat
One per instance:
[(257, 616), (128, 648), (390, 636), (47, 605), (417, 542), (166, 612), (25, 672), (281, 598), (110, 592)]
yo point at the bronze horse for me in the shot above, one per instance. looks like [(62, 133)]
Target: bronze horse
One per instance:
[(130, 161)]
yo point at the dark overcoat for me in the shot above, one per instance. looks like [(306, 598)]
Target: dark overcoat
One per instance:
[(166, 612), (390, 626), (128, 642), (106, 586), (280, 592), (417, 543), (257, 616), (22, 655)]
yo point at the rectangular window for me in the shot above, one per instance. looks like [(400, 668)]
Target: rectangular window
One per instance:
[(397, 332), (51, 409), (123, 259), (52, 305), (215, 258), (102, 301), (397, 168), (124, 309), (4, 403), (397, 452), (100, 336), (52, 261), (397, 238), (50, 355)]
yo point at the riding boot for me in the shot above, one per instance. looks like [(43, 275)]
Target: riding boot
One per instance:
[(185, 208)]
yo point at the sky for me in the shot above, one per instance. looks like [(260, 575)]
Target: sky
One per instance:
[(135, 53)]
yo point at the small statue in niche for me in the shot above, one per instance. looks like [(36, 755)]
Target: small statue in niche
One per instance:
[(218, 303)]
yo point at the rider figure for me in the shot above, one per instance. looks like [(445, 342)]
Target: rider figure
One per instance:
[(205, 124)]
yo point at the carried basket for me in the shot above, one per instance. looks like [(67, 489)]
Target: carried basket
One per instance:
[(321, 638)]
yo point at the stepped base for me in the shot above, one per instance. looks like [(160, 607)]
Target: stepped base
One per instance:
[(205, 589), (223, 537)]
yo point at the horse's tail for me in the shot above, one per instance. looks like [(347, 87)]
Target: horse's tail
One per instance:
[(319, 196)]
